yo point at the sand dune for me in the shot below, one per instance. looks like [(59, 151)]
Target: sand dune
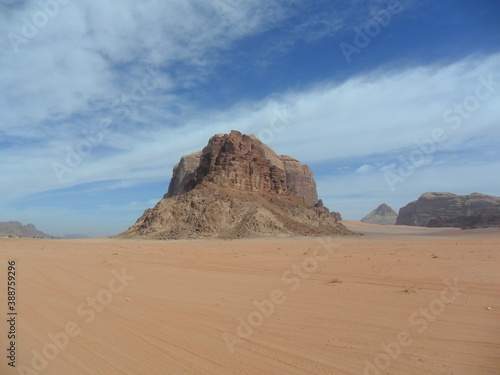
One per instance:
[(176, 307)]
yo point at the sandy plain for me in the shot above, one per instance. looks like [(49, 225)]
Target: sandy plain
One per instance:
[(397, 300)]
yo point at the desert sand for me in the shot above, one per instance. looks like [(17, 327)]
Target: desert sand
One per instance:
[(397, 300)]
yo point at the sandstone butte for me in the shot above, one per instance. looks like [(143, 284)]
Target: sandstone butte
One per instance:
[(451, 210), (238, 187)]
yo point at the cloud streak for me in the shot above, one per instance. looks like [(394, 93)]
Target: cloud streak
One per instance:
[(382, 113)]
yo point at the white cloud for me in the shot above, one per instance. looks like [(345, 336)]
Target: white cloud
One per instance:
[(388, 111), (90, 52), (376, 115), (365, 168)]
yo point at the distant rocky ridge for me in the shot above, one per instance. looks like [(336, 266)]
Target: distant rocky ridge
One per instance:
[(382, 215), (237, 187), (451, 210), (17, 229)]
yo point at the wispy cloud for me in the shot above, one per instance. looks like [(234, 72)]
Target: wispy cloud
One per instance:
[(382, 113)]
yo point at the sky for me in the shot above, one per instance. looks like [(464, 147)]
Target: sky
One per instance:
[(384, 100)]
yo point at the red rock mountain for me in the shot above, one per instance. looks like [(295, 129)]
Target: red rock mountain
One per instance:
[(237, 187)]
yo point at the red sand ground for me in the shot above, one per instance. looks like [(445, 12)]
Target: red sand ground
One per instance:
[(342, 303)]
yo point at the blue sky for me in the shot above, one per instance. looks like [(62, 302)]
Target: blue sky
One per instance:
[(384, 100)]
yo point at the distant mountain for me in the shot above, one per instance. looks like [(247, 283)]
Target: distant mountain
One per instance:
[(383, 215), (451, 210), (16, 229)]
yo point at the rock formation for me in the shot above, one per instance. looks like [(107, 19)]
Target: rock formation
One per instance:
[(237, 187), (16, 229), (382, 215), (336, 215), (450, 210)]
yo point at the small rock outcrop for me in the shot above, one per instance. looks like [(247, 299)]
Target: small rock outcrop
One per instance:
[(451, 210), (336, 215), (382, 215), (237, 187)]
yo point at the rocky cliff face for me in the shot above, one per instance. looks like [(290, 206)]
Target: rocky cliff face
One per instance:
[(382, 215), (239, 161), (298, 176), (184, 175), (450, 210), (238, 189)]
